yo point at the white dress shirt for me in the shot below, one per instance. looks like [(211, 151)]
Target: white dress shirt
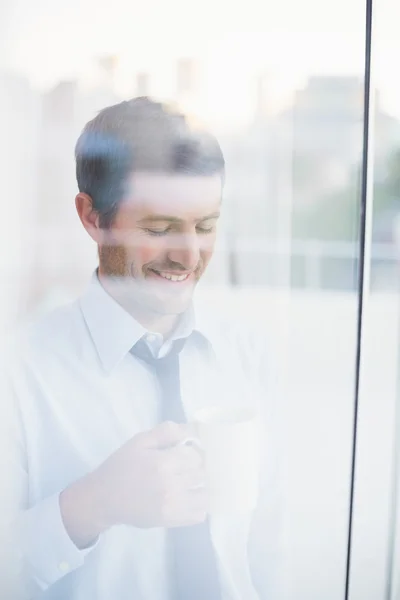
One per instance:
[(78, 395)]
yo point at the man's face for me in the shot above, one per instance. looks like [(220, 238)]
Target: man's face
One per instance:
[(162, 239)]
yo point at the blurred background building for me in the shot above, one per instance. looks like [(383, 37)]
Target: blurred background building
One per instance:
[(291, 174)]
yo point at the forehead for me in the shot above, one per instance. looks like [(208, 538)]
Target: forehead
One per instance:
[(176, 195)]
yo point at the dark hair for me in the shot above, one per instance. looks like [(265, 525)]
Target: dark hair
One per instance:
[(140, 135)]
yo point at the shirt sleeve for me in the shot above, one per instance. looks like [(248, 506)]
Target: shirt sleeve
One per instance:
[(34, 546), (47, 550)]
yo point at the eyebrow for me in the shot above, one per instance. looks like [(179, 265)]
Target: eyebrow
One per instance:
[(171, 219)]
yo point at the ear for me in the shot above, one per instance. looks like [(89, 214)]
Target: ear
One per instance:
[(88, 216)]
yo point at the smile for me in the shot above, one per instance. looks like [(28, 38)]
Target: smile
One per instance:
[(171, 277)]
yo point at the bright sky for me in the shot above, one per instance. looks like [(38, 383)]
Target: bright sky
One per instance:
[(49, 40)]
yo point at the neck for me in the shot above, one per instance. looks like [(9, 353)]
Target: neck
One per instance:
[(163, 324), (153, 322)]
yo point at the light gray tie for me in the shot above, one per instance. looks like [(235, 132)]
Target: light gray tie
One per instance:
[(195, 574)]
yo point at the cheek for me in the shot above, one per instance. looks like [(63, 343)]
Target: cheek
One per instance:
[(146, 252), (207, 249)]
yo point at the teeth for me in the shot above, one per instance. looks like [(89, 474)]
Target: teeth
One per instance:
[(174, 277)]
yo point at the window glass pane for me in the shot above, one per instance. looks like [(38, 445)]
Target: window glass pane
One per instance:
[(282, 87)]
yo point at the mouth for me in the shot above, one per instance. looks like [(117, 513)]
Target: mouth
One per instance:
[(172, 277)]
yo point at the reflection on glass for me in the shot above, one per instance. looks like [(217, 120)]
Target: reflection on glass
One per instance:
[(287, 253)]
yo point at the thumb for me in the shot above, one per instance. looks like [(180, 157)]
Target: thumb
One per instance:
[(165, 435)]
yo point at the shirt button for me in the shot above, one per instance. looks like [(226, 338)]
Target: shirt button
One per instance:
[(64, 567), (151, 338)]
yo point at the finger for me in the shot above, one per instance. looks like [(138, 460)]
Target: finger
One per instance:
[(189, 501), (192, 430), (198, 500), (188, 509), (194, 480), (187, 521), (184, 458), (165, 435)]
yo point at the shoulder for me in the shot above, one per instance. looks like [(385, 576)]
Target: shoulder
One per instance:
[(249, 341), (55, 333)]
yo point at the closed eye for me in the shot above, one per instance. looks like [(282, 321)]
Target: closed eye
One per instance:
[(161, 232), (205, 229), (157, 231)]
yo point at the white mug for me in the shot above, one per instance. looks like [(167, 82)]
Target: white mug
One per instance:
[(230, 442)]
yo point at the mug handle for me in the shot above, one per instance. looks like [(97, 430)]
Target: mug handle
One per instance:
[(192, 441)]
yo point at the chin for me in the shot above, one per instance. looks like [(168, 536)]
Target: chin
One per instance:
[(172, 306)]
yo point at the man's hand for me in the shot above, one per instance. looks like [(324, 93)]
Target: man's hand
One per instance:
[(151, 481)]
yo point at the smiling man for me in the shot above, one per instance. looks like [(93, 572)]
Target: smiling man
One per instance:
[(112, 501), (160, 242)]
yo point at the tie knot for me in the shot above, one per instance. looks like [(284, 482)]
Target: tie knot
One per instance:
[(142, 351)]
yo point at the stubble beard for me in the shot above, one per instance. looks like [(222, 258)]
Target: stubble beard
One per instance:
[(134, 293), (114, 262)]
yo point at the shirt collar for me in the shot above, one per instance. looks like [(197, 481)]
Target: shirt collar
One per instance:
[(114, 331)]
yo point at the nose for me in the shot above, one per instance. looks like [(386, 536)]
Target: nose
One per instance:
[(185, 250)]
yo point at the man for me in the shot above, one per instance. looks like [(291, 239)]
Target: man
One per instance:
[(112, 501)]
